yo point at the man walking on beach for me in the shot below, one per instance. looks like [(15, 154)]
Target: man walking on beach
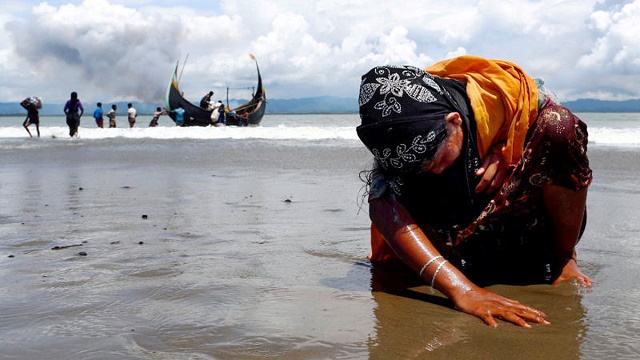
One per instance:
[(132, 114), (32, 105)]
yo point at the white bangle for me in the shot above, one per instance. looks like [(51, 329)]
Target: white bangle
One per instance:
[(429, 263), (435, 273)]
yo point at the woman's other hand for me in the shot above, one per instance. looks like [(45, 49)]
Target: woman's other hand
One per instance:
[(493, 172)]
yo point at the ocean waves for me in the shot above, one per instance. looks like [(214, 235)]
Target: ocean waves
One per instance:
[(604, 129), (229, 132)]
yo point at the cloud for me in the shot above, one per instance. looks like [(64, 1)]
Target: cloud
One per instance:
[(122, 50), (615, 52), (97, 46)]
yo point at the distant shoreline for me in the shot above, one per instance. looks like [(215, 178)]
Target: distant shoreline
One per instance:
[(312, 105)]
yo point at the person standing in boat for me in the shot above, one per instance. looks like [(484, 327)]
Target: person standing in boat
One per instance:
[(32, 104), (205, 102), (74, 110)]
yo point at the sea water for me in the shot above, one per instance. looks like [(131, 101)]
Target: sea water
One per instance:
[(250, 243), (608, 129)]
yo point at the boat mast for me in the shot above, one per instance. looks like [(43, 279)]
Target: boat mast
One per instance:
[(183, 65)]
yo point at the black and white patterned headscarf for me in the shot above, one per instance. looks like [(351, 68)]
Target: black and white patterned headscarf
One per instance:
[(403, 112)]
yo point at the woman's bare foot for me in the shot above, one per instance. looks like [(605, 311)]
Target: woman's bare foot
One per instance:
[(571, 272)]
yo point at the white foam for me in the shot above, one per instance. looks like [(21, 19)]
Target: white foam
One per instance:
[(228, 132), (604, 129), (616, 137)]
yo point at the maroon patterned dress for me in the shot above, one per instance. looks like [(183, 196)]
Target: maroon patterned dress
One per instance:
[(509, 238)]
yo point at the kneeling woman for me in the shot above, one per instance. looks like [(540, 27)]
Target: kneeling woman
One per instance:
[(480, 177)]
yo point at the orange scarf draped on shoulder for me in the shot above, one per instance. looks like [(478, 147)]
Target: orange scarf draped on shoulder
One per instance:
[(504, 101)]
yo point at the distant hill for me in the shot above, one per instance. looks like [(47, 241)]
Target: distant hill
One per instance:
[(312, 105), (593, 105)]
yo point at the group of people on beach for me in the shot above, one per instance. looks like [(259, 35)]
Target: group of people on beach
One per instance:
[(73, 110), (132, 115)]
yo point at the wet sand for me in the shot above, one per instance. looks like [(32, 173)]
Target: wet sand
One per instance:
[(244, 250)]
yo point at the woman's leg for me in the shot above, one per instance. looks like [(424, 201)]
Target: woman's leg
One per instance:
[(565, 192), (26, 124), (566, 208), (70, 123)]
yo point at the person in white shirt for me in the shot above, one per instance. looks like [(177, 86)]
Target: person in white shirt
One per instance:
[(132, 114)]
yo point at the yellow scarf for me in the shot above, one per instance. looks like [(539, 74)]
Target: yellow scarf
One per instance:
[(504, 101)]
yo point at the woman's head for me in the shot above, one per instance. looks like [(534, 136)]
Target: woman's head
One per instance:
[(74, 95), (403, 111), (450, 148)]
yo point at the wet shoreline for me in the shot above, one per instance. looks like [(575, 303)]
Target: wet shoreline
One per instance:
[(244, 256)]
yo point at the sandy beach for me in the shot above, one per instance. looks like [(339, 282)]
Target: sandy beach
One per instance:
[(234, 249)]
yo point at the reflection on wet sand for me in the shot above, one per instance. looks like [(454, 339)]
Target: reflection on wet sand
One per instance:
[(415, 323)]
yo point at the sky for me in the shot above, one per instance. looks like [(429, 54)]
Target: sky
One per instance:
[(127, 50)]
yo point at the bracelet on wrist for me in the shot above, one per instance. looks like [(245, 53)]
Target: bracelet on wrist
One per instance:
[(435, 273), (429, 263)]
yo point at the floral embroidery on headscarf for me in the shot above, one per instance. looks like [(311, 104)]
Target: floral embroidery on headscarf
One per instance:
[(402, 110), (391, 87), (405, 154)]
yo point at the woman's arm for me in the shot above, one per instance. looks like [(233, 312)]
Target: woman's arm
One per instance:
[(410, 243)]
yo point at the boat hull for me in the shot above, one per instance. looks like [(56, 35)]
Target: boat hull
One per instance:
[(247, 114)]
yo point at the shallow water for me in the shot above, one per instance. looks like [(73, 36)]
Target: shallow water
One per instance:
[(228, 260), (256, 249)]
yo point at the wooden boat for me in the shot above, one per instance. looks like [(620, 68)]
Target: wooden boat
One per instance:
[(185, 113)]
